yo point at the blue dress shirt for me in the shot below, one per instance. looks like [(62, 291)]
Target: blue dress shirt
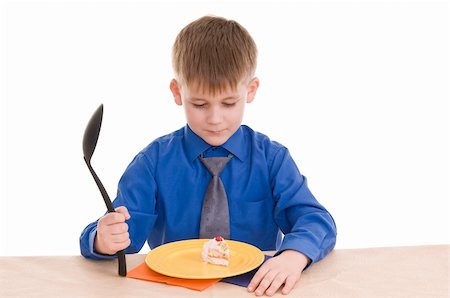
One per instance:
[(269, 201)]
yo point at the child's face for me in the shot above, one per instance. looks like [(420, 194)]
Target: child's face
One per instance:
[(215, 118)]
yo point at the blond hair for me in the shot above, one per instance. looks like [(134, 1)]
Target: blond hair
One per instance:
[(214, 53)]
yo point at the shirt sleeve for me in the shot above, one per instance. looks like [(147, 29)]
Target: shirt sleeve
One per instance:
[(137, 191), (307, 226)]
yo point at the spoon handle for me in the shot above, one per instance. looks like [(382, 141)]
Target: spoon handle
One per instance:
[(122, 263), (102, 189), (110, 207)]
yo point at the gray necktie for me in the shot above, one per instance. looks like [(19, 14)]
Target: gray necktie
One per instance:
[(215, 220)]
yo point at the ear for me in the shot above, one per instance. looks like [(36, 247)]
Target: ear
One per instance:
[(175, 88), (251, 89)]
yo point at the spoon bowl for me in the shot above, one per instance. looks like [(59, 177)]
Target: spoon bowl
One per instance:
[(92, 133)]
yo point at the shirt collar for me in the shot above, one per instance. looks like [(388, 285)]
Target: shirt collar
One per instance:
[(194, 145), (236, 144)]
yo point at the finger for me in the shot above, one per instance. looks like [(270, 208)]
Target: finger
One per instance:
[(115, 247), (123, 210), (117, 229), (120, 238), (288, 285), (265, 283), (110, 244), (112, 218), (276, 284), (259, 275)]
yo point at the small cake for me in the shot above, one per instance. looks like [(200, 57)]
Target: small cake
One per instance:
[(216, 251)]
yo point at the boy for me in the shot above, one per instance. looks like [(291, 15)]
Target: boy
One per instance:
[(161, 193)]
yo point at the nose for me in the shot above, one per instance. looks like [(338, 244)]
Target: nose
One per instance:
[(214, 115)]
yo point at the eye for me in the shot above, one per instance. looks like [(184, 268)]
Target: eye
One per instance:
[(199, 106), (229, 105)]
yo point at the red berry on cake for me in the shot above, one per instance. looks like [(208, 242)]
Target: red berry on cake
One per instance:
[(216, 251)]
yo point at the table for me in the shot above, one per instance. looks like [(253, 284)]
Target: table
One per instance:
[(414, 271)]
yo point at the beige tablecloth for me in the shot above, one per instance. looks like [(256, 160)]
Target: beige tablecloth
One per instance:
[(418, 271)]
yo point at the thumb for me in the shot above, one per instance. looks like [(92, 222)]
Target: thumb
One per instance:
[(124, 211)]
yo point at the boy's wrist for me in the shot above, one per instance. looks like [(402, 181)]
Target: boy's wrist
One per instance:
[(298, 257), (96, 248)]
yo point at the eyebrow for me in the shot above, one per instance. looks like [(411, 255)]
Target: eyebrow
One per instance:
[(196, 99)]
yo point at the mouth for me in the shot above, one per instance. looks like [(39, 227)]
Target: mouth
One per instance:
[(216, 132)]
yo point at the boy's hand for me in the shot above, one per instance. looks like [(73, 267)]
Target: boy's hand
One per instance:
[(285, 268), (112, 232)]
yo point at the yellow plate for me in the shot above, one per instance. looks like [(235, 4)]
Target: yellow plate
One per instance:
[(183, 259)]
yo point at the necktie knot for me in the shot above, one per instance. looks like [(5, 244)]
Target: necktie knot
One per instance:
[(215, 165)]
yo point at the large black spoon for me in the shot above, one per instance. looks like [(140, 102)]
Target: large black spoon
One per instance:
[(89, 142)]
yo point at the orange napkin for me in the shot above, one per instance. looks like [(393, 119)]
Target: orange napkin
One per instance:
[(143, 272)]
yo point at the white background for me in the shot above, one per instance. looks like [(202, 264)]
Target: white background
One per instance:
[(358, 91)]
